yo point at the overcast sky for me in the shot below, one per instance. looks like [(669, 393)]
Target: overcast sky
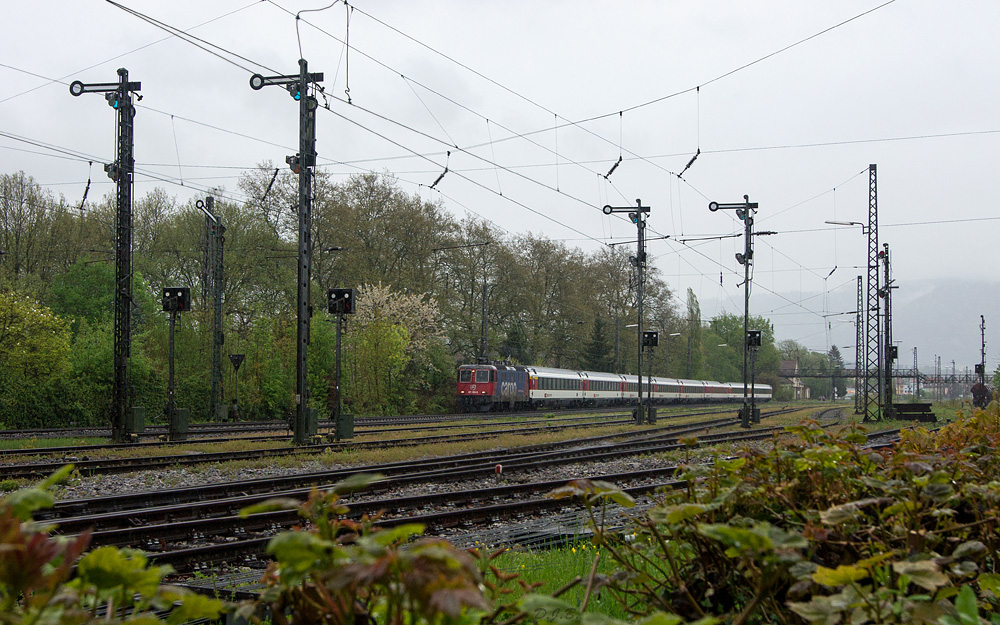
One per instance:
[(788, 101)]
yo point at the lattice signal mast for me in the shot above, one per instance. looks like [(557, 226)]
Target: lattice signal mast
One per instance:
[(122, 170), (302, 164), (873, 330)]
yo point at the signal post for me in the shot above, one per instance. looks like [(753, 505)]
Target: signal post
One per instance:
[(304, 426), (125, 418), (175, 300), (745, 211), (340, 303), (637, 214)]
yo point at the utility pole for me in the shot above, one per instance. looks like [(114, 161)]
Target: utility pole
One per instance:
[(745, 212), (340, 302), (873, 331), (937, 376), (650, 339), (618, 355), (689, 355), (236, 360), (916, 376), (304, 426), (859, 350), (638, 216), (175, 300), (982, 349), (889, 350), (122, 171), (212, 291), (484, 340)]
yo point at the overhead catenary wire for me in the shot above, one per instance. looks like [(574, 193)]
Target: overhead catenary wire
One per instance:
[(493, 159), (205, 46), (177, 150), (62, 80), (215, 50)]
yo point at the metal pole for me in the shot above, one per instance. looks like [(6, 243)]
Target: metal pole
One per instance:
[(873, 330), (640, 265), (982, 349), (638, 217), (745, 418), (307, 152), (216, 242), (689, 354), (119, 96), (886, 393), (121, 401), (859, 350), (484, 347), (336, 384), (171, 407), (744, 211), (618, 359)]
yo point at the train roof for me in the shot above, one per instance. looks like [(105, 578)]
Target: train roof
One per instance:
[(553, 372)]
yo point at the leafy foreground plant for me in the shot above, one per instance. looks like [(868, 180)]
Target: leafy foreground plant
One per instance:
[(111, 585), (344, 571), (819, 530)]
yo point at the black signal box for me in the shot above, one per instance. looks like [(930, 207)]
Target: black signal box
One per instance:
[(176, 299), (650, 338), (753, 338), (341, 301)]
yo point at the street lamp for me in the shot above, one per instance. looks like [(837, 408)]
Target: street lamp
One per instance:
[(864, 227), (666, 354)]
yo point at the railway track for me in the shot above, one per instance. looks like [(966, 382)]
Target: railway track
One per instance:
[(432, 469), (79, 450), (146, 463), (154, 431), (87, 466), (170, 524)]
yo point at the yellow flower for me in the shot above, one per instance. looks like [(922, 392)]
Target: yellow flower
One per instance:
[(574, 549)]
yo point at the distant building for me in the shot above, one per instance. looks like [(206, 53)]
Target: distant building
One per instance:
[(789, 371)]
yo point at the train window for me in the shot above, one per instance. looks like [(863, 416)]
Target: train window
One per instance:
[(465, 375), (482, 375)]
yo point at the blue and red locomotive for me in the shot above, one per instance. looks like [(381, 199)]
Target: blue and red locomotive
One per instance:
[(485, 387)]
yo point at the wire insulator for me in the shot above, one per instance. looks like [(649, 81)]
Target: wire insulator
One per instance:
[(613, 167)]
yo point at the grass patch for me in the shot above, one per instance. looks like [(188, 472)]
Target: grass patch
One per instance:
[(554, 568), (44, 443)]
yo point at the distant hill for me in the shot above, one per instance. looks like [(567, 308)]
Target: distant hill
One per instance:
[(939, 317)]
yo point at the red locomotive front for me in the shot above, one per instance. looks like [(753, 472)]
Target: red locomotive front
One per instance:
[(476, 387)]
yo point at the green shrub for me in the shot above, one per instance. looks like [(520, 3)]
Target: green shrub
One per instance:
[(820, 529), (111, 585)]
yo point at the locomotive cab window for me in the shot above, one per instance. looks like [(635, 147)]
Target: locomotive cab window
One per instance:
[(465, 375), (482, 376)]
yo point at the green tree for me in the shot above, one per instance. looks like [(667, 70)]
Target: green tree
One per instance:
[(837, 369), (597, 356), (727, 365), (34, 359), (692, 335), (388, 351), (84, 293)]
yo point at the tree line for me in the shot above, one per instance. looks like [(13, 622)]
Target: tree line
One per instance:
[(421, 275)]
